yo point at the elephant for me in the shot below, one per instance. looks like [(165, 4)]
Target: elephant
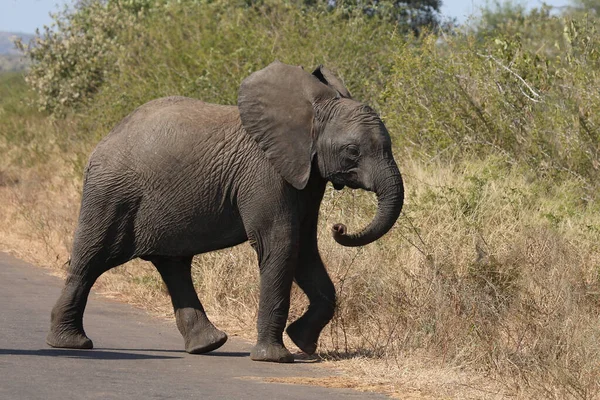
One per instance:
[(179, 177)]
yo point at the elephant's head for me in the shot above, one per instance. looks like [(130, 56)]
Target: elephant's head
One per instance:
[(303, 121)]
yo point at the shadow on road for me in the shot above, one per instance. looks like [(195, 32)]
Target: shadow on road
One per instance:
[(85, 354), (217, 353), (140, 350), (228, 354)]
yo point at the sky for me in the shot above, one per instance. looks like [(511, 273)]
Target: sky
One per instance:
[(27, 15), (461, 9)]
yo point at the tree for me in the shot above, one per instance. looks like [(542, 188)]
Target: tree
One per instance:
[(591, 7), (71, 58), (409, 15)]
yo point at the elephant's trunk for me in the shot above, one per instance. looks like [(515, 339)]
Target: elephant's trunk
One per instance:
[(389, 189)]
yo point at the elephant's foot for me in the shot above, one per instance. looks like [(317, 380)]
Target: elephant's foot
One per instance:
[(68, 338), (208, 339), (199, 334), (271, 352), (303, 337)]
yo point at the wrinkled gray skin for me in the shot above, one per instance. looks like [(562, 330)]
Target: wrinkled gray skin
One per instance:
[(180, 177)]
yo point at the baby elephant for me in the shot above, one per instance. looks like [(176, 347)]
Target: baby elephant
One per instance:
[(179, 177)]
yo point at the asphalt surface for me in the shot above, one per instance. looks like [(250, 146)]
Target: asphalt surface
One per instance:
[(135, 356)]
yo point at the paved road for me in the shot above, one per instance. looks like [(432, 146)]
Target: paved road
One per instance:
[(136, 357)]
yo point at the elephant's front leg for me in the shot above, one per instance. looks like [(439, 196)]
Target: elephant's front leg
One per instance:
[(277, 254), (311, 276)]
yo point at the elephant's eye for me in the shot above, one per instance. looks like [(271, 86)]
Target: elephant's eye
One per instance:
[(352, 151)]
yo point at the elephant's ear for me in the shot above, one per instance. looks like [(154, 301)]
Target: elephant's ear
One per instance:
[(276, 108), (328, 78)]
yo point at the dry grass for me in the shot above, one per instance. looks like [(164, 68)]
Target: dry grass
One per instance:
[(416, 378), (487, 287)]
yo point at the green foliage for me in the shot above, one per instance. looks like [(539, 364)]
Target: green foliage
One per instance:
[(499, 16), (206, 50), (408, 16), (472, 96), (19, 124), (71, 58), (591, 7), (12, 86)]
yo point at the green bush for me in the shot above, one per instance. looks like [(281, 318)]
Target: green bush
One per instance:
[(205, 50), (464, 97), (71, 58)]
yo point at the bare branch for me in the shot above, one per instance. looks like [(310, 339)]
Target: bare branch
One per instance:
[(536, 96)]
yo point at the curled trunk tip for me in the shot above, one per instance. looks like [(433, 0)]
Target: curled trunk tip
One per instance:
[(390, 196)]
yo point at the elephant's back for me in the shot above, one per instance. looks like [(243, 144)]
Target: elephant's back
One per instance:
[(166, 133), (171, 118)]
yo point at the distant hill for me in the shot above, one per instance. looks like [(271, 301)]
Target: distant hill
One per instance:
[(10, 58), (6, 41)]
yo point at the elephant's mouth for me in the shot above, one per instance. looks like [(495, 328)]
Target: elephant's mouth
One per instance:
[(341, 180)]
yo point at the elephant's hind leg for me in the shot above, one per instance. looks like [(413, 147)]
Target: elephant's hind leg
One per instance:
[(66, 320), (199, 334)]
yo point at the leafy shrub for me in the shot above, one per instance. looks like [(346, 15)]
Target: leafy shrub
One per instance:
[(71, 58), (205, 50), (464, 97)]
